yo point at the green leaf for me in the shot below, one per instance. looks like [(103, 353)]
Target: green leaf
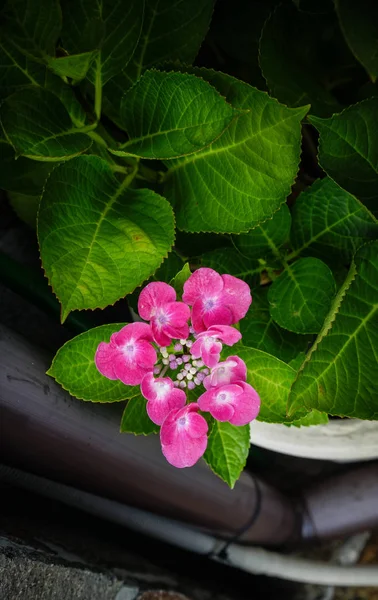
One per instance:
[(179, 280), (39, 127), (291, 47), (74, 66), (227, 450), (98, 239), (33, 26), (265, 240), (246, 174), (74, 368), (229, 261), (171, 114), (298, 360), (135, 418), (339, 374), (348, 150), (330, 223), (22, 175), (301, 296), (25, 207), (171, 31), (359, 23), (312, 418), (111, 26), (17, 70), (271, 378), (260, 331)]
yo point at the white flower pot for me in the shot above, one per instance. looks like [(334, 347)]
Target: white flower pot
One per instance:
[(341, 440)]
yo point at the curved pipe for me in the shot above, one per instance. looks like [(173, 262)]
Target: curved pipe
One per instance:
[(252, 560)]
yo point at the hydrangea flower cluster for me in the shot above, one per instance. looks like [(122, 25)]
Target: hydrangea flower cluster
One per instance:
[(168, 357)]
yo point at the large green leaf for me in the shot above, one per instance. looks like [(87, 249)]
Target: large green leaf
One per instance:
[(260, 331), (301, 296), (359, 22), (270, 377), (172, 114), (32, 26), (227, 450), (265, 240), (39, 127), (229, 261), (244, 176), (172, 31), (339, 375), (74, 368), (135, 418), (348, 149), (111, 26), (98, 239), (291, 47), (330, 223), (22, 175)]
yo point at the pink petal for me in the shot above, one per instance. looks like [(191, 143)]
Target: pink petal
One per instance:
[(226, 334), (230, 371), (221, 402), (183, 436), (195, 350), (247, 407), (159, 408), (200, 284), (210, 353), (145, 355), (197, 320), (104, 359), (160, 337), (132, 332), (178, 313), (178, 333), (219, 315), (153, 296), (237, 296)]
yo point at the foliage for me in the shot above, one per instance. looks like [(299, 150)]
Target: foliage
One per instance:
[(137, 161)]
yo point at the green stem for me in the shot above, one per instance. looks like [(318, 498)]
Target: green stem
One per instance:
[(149, 174), (97, 138), (98, 89)]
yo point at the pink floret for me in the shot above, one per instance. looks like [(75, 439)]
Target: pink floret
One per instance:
[(183, 436), (231, 370), (237, 403), (208, 343), (169, 319), (128, 356), (216, 299), (162, 396)]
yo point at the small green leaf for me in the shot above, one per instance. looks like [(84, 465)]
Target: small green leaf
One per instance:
[(98, 239), (301, 296), (74, 66), (74, 368), (33, 26), (110, 26), (348, 150), (229, 261), (246, 174), (272, 380), (330, 223), (359, 23), (179, 280), (312, 418), (292, 45), (39, 127), (339, 374), (260, 331), (171, 114), (135, 418), (265, 240), (23, 176), (227, 450)]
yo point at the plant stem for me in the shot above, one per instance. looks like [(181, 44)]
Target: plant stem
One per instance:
[(97, 138), (98, 89), (149, 174)]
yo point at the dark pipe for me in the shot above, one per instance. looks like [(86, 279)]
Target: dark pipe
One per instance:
[(45, 431)]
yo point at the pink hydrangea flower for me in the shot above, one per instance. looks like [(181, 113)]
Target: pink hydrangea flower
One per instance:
[(208, 343), (183, 436), (157, 304), (128, 356), (238, 403), (231, 370), (162, 397), (216, 299)]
